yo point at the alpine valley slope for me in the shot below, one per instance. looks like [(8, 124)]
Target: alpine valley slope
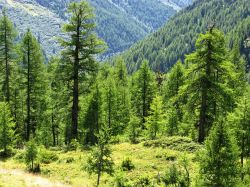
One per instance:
[(119, 22), (177, 37)]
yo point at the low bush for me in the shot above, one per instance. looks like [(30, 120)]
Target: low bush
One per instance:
[(46, 156), (127, 165), (143, 181), (177, 143), (120, 180)]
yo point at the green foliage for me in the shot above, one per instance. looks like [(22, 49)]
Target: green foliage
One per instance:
[(31, 155), (7, 56), (46, 156), (32, 83), (155, 120), (174, 104), (239, 121), (172, 176), (219, 161), (127, 165), (120, 180), (178, 143), (100, 160), (80, 48), (143, 181), (208, 84), (6, 128), (143, 91), (134, 128), (177, 175)]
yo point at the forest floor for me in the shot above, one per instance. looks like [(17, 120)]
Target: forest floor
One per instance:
[(150, 158)]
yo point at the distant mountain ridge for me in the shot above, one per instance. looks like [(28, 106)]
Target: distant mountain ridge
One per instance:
[(119, 22)]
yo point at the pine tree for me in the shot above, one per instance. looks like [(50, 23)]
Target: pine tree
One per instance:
[(173, 103), (7, 37), (6, 128), (155, 120), (33, 82), (239, 121), (100, 160), (31, 154), (123, 95), (109, 106), (219, 161), (143, 91), (81, 46), (209, 94)]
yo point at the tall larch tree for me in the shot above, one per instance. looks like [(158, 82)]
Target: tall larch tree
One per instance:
[(123, 95), (81, 46), (33, 73), (7, 37), (109, 105), (207, 81), (143, 91)]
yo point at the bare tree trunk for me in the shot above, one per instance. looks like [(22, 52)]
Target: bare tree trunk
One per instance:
[(74, 126)]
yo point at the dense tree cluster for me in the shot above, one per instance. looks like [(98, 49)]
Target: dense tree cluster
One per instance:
[(74, 100)]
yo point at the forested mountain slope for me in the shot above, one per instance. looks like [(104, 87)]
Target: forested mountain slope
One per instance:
[(120, 23), (177, 38)]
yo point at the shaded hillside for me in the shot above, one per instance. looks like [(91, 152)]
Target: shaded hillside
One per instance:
[(164, 47)]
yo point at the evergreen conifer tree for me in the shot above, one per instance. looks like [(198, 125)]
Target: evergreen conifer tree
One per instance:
[(80, 48), (207, 81), (219, 161), (33, 82)]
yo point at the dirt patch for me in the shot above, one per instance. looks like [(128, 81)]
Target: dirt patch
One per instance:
[(31, 180)]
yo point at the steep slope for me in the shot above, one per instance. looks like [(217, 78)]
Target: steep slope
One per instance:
[(120, 22), (177, 38), (42, 22)]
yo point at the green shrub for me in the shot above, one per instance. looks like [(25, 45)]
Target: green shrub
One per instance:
[(46, 156), (177, 143), (172, 176), (20, 156), (143, 181), (120, 179), (127, 165), (74, 145)]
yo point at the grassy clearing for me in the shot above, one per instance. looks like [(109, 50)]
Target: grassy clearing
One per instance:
[(150, 161)]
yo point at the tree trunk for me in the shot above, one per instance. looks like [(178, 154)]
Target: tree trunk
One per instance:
[(28, 94), (202, 120), (109, 109), (53, 129), (144, 109), (100, 167), (242, 156), (74, 126)]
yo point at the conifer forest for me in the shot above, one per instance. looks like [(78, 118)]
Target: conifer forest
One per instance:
[(170, 110)]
